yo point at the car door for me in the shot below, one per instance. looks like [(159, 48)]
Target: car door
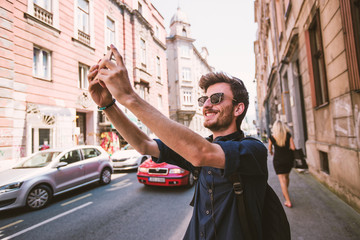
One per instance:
[(92, 161), (72, 174)]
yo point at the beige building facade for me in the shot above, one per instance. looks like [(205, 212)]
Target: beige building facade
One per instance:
[(186, 65), (307, 73), (46, 50)]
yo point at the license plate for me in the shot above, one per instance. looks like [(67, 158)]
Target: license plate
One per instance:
[(156, 179)]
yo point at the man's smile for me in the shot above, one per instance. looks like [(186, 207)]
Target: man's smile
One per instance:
[(210, 113)]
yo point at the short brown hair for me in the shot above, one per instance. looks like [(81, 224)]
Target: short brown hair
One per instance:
[(237, 86)]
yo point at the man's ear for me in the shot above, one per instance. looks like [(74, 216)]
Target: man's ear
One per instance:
[(239, 109)]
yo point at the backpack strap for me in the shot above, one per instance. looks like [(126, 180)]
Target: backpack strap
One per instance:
[(236, 181), (196, 174)]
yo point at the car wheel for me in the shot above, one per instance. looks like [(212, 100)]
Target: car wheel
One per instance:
[(105, 176), (191, 180), (38, 197)]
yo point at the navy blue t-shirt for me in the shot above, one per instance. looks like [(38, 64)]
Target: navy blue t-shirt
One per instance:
[(215, 214)]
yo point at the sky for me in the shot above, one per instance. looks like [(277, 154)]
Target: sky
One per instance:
[(228, 31)]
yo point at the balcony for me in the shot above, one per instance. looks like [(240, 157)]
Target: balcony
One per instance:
[(43, 15), (83, 37)]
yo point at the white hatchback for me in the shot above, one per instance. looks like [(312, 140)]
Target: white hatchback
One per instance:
[(127, 158)]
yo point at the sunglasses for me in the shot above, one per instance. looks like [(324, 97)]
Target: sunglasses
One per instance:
[(215, 98)]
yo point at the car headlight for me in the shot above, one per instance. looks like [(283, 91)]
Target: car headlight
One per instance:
[(10, 187), (176, 170), (142, 169)]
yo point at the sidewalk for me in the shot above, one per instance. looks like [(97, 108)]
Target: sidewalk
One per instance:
[(317, 213)]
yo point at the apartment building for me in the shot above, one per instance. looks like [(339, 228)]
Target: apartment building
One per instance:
[(307, 73), (186, 65), (46, 50)]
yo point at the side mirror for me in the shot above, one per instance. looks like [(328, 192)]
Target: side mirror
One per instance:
[(61, 164)]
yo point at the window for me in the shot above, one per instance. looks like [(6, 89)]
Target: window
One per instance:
[(269, 53), (324, 162), (143, 89), (183, 33), (186, 72), (83, 72), (90, 153), (83, 21), (44, 138), (316, 63), (158, 68), (102, 119), (350, 12), (185, 51), (71, 157), (143, 52), (43, 11), (45, 4), (110, 32), (41, 63), (81, 125), (157, 32), (41, 139), (187, 96)]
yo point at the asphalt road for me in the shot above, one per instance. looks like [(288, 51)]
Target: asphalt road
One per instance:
[(125, 209), (128, 210)]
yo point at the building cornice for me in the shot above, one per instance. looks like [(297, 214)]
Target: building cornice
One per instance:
[(178, 37), (162, 45), (291, 45)]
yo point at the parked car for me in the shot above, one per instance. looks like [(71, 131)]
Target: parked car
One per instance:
[(127, 158), (163, 174), (48, 173)]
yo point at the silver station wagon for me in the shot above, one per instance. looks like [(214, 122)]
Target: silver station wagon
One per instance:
[(47, 173)]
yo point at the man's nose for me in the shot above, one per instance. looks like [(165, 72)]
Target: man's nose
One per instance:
[(207, 103)]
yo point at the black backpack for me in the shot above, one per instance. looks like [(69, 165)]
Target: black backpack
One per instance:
[(275, 225)]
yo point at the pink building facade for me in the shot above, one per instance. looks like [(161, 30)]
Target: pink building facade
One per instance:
[(46, 50)]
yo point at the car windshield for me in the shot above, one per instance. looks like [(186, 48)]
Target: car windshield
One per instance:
[(40, 159)]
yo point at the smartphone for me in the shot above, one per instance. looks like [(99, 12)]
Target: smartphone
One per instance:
[(108, 56)]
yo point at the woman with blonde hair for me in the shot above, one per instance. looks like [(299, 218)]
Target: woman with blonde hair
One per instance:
[(284, 156)]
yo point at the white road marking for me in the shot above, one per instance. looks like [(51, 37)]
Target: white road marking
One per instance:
[(77, 199), (47, 221), (122, 184)]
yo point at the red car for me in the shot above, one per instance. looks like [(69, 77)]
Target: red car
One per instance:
[(163, 174)]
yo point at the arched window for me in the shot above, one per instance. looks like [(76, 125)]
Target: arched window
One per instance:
[(184, 34)]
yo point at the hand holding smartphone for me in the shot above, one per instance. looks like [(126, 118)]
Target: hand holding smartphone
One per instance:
[(101, 64)]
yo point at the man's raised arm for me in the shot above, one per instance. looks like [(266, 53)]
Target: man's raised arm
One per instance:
[(182, 140)]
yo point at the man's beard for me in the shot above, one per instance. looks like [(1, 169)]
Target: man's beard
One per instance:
[(222, 122)]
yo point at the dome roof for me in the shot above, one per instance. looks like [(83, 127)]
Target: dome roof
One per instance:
[(179, 16)]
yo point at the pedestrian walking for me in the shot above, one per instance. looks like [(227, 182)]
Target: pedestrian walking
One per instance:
[(224, 153), (283, 153)]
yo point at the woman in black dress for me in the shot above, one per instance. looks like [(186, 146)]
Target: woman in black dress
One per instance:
[(284, 156)]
